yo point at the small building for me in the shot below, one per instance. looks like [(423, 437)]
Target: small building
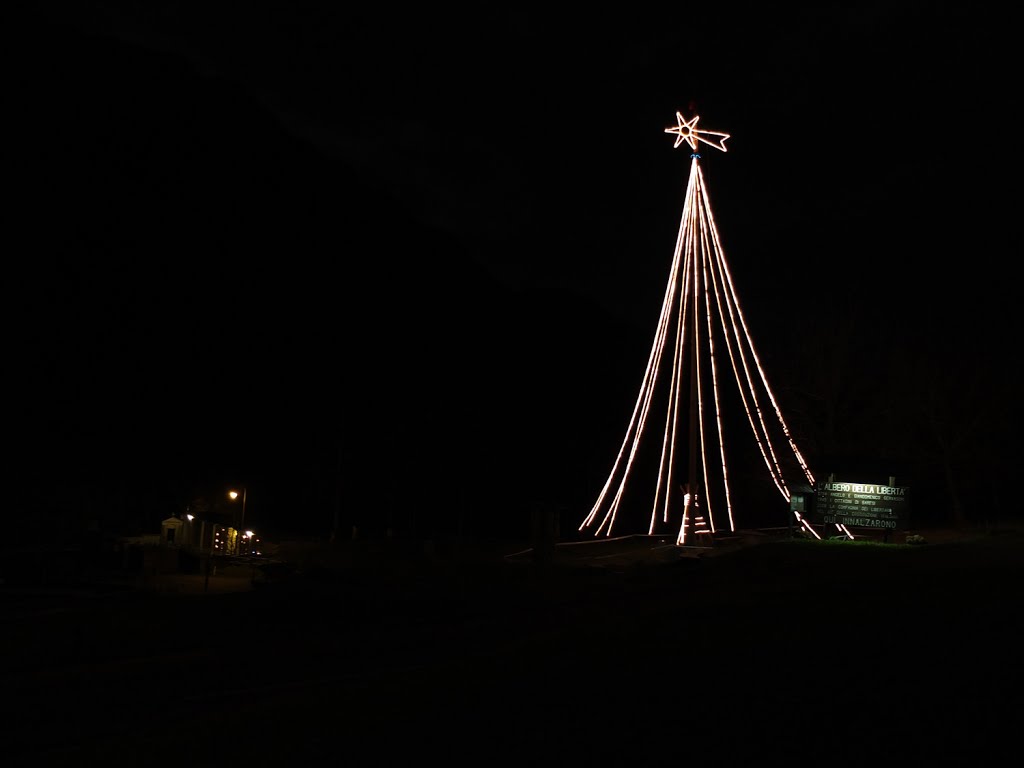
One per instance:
[(172, 532)]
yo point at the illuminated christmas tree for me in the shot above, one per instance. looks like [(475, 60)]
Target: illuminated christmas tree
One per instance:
[(701, 337)]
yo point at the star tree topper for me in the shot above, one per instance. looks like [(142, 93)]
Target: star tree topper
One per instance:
[(686, 130)]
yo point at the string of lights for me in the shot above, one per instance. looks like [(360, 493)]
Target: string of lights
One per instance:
[(701, 314)]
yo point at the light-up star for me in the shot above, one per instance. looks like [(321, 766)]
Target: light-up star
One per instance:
[(687, 131)]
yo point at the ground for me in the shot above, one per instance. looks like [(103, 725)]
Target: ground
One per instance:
[(769, 647)]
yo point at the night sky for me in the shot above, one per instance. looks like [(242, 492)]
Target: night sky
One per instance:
[(404, 267)]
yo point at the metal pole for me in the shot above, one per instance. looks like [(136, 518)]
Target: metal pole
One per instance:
[(694, 486)]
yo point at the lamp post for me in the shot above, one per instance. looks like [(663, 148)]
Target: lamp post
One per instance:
[(233, 495)]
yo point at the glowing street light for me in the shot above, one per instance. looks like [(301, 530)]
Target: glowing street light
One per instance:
[(233, 495)]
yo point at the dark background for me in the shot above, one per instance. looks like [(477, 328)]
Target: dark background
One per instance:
[(403, 268)]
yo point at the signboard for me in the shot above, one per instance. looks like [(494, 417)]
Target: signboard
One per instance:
[(865, 505)]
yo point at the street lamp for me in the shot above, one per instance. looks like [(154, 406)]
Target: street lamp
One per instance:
[(233, 495)]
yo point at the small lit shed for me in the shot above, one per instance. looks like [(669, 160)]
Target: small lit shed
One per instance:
[(171, 531)]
